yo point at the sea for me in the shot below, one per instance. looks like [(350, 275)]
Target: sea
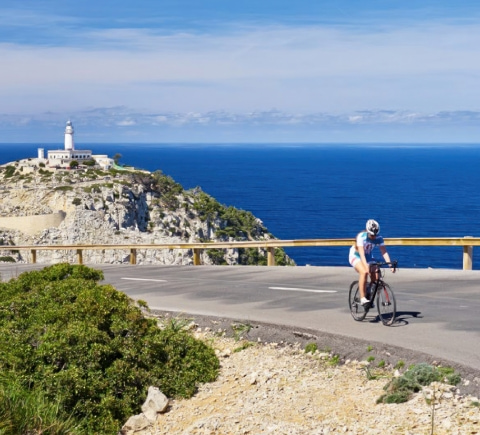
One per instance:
[(310, 191)]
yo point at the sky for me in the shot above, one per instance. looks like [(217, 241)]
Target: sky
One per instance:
[(223, 71)]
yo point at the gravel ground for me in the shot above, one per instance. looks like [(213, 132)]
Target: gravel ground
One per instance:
[(345, 347), (269, 385)]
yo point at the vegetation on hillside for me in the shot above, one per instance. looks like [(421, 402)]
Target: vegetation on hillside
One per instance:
[(401, 389), (78, 357), (168, 201)]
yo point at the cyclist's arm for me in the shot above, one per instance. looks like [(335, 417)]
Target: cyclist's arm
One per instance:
[(386, 257)]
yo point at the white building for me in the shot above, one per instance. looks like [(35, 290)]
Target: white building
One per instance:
[(62, 158), (103, 160)]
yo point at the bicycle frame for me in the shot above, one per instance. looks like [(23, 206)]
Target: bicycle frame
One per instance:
[(379, 270)]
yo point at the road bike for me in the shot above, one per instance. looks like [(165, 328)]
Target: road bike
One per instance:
[(385, 298)]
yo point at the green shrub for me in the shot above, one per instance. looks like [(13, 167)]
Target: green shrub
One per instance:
[(217, 256), (311, 348), (251, 257), (245, 345), (64, 188), (7, 259), (89, 348), (29, 411), (241, 329), (9, 171), (400, 389)]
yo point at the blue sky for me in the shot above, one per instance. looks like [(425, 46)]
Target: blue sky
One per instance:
[(240, 71)]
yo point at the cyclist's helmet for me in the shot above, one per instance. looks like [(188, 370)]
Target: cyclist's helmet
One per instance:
[(373, 228)]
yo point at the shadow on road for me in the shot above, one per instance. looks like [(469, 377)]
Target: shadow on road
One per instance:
[(401, 318)]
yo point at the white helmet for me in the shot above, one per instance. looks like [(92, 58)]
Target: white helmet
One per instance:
[(373, 228)]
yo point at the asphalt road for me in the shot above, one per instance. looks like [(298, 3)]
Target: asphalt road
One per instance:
[(438, 311)]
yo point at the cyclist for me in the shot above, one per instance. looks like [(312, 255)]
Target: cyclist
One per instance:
[(361, 257)]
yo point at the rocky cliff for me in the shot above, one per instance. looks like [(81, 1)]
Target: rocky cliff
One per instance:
[(92, 206)]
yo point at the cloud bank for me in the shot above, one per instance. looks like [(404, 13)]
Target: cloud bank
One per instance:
[(325, 80)]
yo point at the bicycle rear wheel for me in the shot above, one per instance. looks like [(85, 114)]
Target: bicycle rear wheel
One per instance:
[(357, 310), (386, 304)]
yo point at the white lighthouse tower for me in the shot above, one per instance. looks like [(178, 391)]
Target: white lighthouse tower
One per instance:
[(61, 159), (69, 145)]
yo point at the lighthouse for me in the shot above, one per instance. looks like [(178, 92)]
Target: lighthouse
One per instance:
[(69, 137), (61, 159)]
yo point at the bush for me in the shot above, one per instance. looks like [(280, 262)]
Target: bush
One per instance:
[(217, 256), (9, 171), (400, 389), (311, 348), (89, 349), (28, 411)]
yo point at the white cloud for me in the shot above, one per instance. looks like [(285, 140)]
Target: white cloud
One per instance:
[(124, 117), (318, 77), (120, 124), (126, 123), (311, 69)]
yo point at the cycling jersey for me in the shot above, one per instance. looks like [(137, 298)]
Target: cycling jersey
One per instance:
[(368, 245)]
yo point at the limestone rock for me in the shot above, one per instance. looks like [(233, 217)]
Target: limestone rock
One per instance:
[(90, 207), (142, 424), (135, 425), (155, 403)]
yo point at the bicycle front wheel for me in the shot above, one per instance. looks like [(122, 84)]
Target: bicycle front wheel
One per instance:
[(386, 304), (357, 310)]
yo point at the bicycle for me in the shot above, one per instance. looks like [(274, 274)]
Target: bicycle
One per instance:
[(386, 304)]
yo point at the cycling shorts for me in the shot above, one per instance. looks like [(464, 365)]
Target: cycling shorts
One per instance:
[(354, 257)]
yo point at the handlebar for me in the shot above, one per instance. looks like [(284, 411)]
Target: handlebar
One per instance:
[(391, 264)]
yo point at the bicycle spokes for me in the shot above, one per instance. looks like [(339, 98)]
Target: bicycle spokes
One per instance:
[(386, 304), (357, 310)]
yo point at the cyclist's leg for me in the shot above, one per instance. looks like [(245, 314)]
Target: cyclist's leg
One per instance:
[(357, 310), (362, 271)]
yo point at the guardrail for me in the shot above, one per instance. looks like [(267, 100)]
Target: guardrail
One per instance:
[(466, 242)]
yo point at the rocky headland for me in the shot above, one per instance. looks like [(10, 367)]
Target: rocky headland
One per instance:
[(43, 206)]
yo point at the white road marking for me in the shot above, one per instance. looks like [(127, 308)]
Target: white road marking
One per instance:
[(145, 279), (294, 289)]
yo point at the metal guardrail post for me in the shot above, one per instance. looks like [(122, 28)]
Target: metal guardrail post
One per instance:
[(271, 256), (196, 257), (34, 256), (133, 256), (79, 256), (467, 256)]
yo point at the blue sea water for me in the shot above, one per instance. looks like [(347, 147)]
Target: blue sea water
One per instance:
[(309, 191)]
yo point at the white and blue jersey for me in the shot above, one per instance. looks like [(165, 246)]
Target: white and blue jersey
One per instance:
[(368, 246)]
